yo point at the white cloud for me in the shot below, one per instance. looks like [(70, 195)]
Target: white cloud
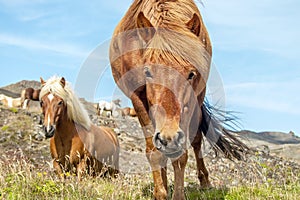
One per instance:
[(32, 15), (273, 96), (36, 44)]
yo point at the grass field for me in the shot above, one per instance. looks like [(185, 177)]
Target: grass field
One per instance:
[(21, 180), (25, 173)]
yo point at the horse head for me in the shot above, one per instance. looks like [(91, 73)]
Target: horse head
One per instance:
[(54, 109), (174, 80)]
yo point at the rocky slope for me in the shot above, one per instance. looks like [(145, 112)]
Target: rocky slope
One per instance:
[(16, 88), (275, 156), (286, 145)]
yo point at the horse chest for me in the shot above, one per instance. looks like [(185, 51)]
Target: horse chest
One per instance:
[(66, 151)]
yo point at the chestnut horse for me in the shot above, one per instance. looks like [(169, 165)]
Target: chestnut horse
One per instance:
[(127, 111), (75, 142), (29, 94), (160, 56)]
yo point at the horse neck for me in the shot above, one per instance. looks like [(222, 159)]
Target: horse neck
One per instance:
[(66, 129)]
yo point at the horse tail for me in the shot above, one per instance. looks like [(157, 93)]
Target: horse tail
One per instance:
[(220, 138)]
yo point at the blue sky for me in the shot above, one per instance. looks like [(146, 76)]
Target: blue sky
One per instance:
[(255, 50)]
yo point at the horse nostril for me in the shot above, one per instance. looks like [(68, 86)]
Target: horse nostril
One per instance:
[(180, 137), (49, 131), (158, 141)]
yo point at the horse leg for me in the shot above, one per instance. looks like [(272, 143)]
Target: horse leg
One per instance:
[(81, 168), (101, 111), (155, 159), (58, 169), (115, 168), (56, 163), (179, 167), (164, 174), (25, 104), (201, 169)]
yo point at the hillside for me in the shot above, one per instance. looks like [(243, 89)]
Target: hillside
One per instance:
[(277, 143), (274, 161), (16, 88), (286, 145), (22, 141), (9, 93)]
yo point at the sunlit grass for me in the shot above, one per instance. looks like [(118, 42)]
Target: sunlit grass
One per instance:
[(25, 173), (20, 179)]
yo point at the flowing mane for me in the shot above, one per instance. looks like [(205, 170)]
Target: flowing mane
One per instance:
[(75, 109), (177, 48), (161, 12), (173, 41), (160, 57)]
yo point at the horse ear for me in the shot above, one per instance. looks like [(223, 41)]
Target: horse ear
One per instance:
[(146, 30), (63, 82), (194, 24), (42, 81)]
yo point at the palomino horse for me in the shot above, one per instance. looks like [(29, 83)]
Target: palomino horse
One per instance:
[(9, 101), (75, 142), (108, 106), (160, 56), (29, 94)]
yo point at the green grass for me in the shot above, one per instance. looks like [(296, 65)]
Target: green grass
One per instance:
[(25, 174), (14, 110), (291, 191), (257, 192), (21, 180), (4, 128)]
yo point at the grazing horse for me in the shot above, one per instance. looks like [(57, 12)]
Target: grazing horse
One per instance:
[(9, 101), (29, 94), (75, 142), (108, 106), (160, 56)]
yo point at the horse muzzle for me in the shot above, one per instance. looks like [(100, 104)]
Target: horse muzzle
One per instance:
[(170, 148), (49, 131)]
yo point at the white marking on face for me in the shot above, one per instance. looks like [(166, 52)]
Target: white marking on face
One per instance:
[(50, 97), (48, 125)]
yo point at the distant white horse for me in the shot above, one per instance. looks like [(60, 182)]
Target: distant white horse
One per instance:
[(111, 107), (9, 101)]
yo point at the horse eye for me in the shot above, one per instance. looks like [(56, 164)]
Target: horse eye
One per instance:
[(191, 75), (60, 103)]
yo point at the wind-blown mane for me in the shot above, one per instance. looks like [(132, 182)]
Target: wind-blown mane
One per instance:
[(173, 41), (180, 49), (163, 11), (75, 109), (160, 57)]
